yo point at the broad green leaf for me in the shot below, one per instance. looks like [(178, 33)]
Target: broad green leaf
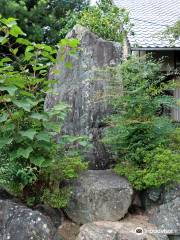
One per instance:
[(3, 117), (46, 146), (10, 89), (60, 110), (26, 103), (73, 42), (25, 93), (9, 21), (23, 41), (43, 72), (47, 163), (46, 48), (5, 141), (28, 56), (24, 152), (68, 139), (9, 126), (36, 68), (83, 143), (3, 40), (43, 136), (52, 126), (13, 155), (16, 79), (69, 42), (60, 107), (14, 51), (34, 102), (39, 116), (47, 55), (39, 46), (6, 69), (29, 48), (30, 133), (16, 31), (23, 104), (5, 60), (21, 152), (39, 161), (81, 140)]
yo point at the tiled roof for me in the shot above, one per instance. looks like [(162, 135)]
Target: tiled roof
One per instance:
[(150, 18)]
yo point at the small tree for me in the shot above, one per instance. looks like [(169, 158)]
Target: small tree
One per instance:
[(172, 33), (144, 140), (175, 30), (106, 20)]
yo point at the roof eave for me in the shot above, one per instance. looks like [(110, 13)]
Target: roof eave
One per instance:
[(155, 48)]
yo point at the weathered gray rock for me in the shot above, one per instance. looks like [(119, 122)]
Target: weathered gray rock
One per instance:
[(18, 222), (151, 198), (84, 86), (167, 217), (122, 230), (69, 230), (157, 196), (92, 231), (56, 215), (171, 193), (99, 195), (163, 206)]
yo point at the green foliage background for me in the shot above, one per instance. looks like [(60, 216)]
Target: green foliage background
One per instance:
[(143, 138), (106, 20), (43, 20), (48, 21)]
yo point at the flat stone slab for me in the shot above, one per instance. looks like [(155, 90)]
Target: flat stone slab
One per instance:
[(132, 228)]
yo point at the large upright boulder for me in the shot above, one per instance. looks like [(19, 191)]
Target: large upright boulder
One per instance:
[(99, 195), (84, 86)]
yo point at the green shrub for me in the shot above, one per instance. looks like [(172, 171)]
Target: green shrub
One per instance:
[(143, 138), (106, 20), (32, 164)]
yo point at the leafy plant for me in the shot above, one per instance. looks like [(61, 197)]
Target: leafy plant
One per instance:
[(106, 20), (141, 135), (172, 33), (43, 20), (33, 164)]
